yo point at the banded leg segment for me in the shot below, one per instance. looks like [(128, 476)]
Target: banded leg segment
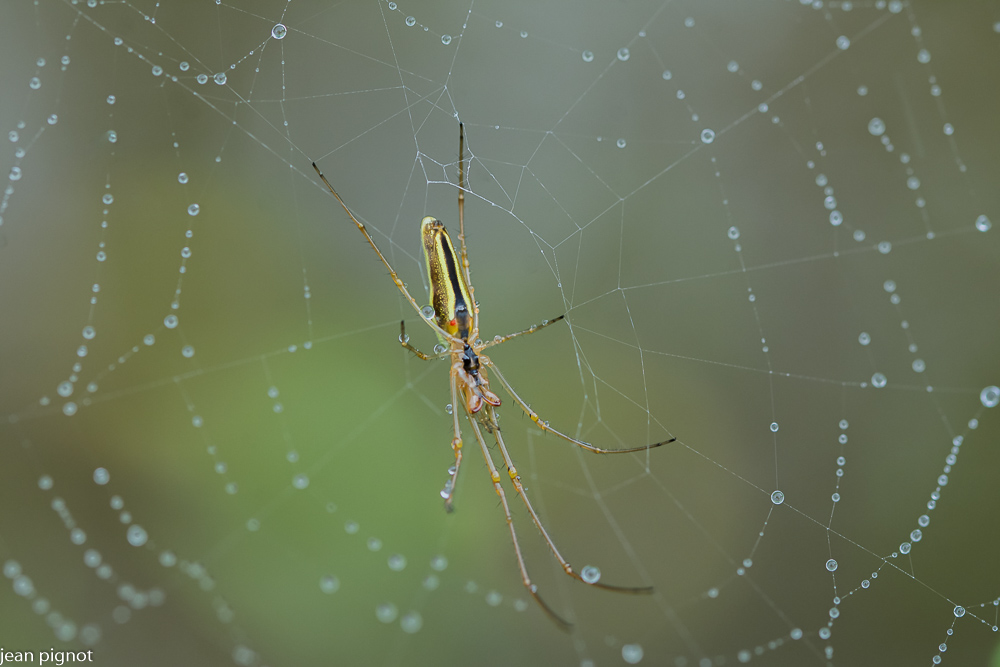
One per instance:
[(515, 479), (530, 330), (548, 429), (392, 272), (525, 579), (405, 342), (456, 446)]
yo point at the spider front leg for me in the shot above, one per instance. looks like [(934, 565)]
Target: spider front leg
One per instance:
[(392, 272)]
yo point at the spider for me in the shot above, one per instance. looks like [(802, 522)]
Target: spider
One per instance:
[(454, 315)]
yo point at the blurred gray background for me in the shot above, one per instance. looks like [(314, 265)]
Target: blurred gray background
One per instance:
[(241, 466)]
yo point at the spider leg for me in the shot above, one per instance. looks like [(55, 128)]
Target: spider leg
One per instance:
[(404, 340), (567, 568), (548, 429), (525, 579), (456, 445), (461, 228), (530, 330), (392, 272)]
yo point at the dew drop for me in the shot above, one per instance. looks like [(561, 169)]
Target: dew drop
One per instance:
[(329, 584), (707, 136), (777, 497), (220, 78), (411, 622), (623, 54), (279, 31), (632, 653), (386, 612), (588, 56), (446, 39), (590, 574), (990, 396), (101, 476), (831, 565), (194, 209), (136, 535), (876, 127)]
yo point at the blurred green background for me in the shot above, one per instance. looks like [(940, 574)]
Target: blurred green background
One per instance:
[(273, 458)]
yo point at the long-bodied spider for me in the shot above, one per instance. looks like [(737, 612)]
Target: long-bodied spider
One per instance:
[(454, 315)]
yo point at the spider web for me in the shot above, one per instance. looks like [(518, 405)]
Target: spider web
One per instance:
[(768, 226)]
